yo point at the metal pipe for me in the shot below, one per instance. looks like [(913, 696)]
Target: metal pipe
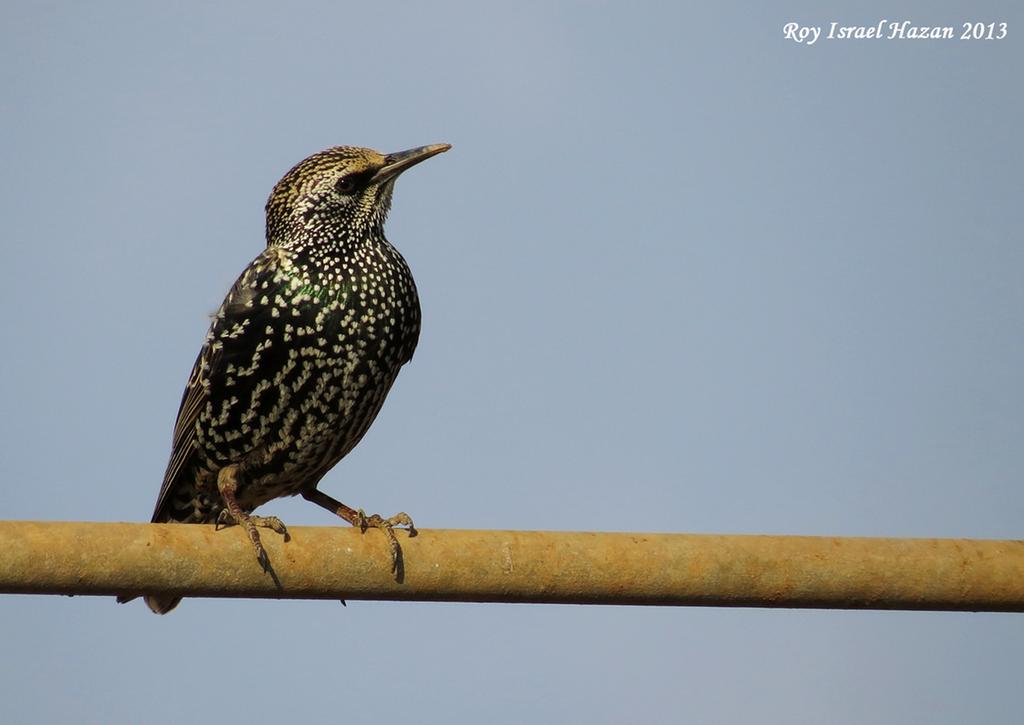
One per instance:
[(516, 566)]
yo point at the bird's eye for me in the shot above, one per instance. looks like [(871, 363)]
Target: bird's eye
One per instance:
[(346, 184)]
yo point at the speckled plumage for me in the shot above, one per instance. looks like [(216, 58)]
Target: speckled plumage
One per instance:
[(302, 352)]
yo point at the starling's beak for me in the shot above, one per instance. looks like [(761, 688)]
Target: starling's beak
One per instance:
[(402, 160)]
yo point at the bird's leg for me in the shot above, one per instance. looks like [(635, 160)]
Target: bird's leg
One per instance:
[(363, 522), (232, 513)]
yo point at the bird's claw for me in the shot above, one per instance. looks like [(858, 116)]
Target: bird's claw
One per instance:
[(224, 519), (376, 521), (273, 523), (250, 523)]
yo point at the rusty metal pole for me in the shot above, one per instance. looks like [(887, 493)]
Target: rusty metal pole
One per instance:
[(516, 566)]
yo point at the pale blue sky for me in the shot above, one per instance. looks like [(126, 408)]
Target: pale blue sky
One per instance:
[(677, 274)]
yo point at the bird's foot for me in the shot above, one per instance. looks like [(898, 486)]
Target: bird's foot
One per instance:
[(376, 521), (232, 513), (360, 520), (251, 524)]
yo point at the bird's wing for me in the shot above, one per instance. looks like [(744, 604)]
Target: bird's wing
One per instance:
[(264, 272), (192, 401)]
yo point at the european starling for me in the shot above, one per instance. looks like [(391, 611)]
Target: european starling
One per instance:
[(300, 355)]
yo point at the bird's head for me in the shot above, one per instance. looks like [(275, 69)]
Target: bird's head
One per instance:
[(344, 190)]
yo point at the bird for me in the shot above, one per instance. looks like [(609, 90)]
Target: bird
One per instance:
[(300, 356)]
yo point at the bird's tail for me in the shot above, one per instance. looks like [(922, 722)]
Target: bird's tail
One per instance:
[(161, 605), (157, 605)]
